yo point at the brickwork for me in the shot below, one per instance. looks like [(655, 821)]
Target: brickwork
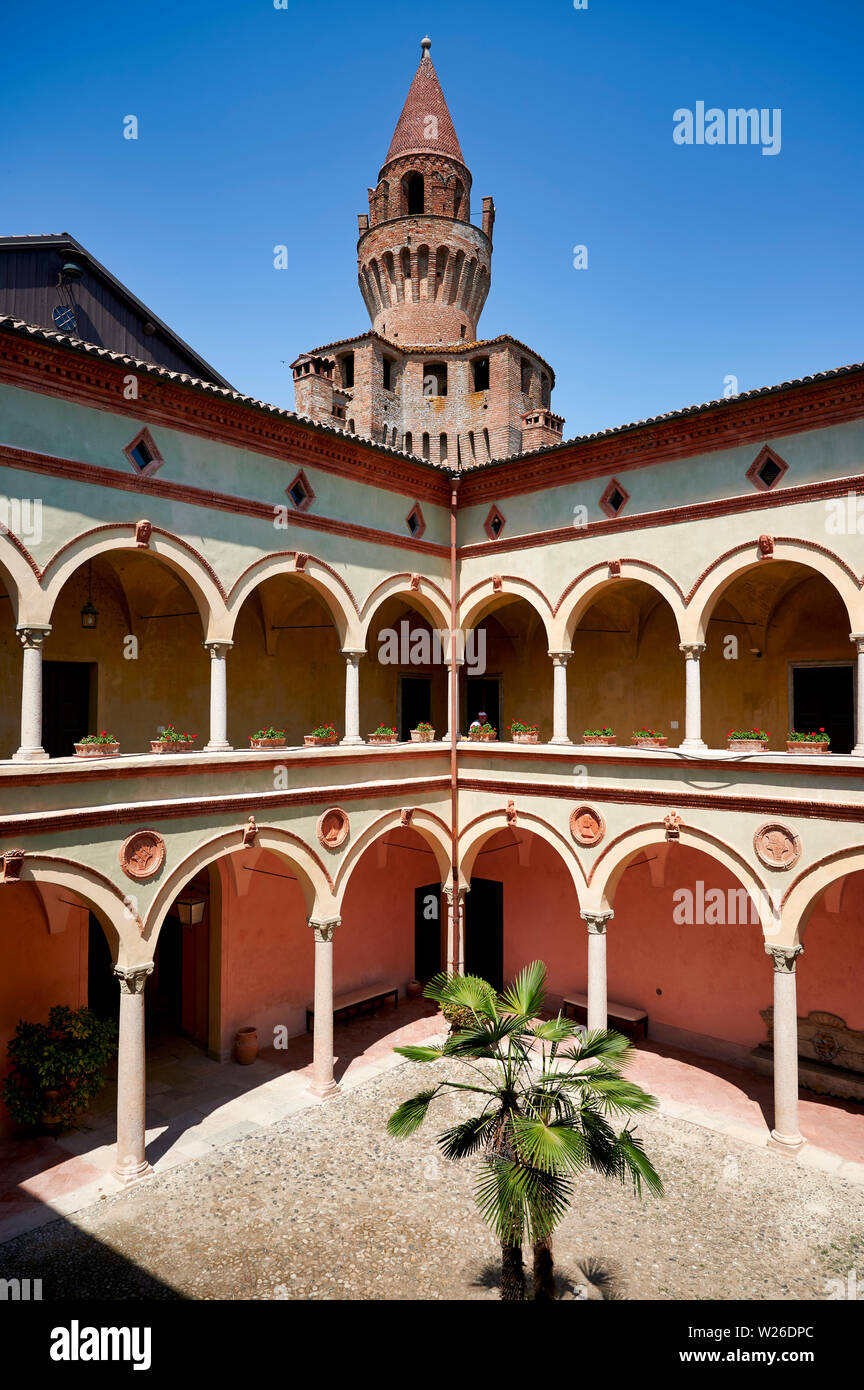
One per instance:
[(422, 381)]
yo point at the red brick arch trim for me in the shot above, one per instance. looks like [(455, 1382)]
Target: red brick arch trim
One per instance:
[(512, 579), (660, 827), (131, 526), (85, 870), (278, 555), (406, 575), (753, 545), (820, 863), (22, 550), (625, 560)]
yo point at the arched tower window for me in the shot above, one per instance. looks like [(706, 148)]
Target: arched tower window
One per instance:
[(458, 199), (415, 201)]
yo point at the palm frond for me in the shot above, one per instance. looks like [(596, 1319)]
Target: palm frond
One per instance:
[(519, 1202), (526, 994), (556, 1147), (556, 1030), (463, 991), (637, 1164), (605, 1044), (463, 1140), (416, 1053), (411, 1114)]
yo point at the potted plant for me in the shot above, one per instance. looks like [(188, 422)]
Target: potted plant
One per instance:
[(171, 741), (520, 732), (424, 733), (648, 738), (817, 742), (747, 740), (383, 734), (603, 737), (482, 733), (102, 745), (322, 737), (268, 738), (58, 1067)]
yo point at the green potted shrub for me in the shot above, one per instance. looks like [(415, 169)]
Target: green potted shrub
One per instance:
[(648, 738), (171, 740), (599, 737), (817, 742), (383, 734), (747, 740), (269, 738), (58, 1067), (520, 732), (423, 733), (102, 745), (322, 737)]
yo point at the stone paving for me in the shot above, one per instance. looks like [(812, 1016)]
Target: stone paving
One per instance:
[(323, 1204), (196, 1106)]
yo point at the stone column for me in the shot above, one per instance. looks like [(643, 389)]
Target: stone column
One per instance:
[(785, 1135), (858, 639), (559, 696), (218, 697), (596, 924), (323, 1083), (31, 750), (131, 1081), (352, 697), (452, 681), (455, 927), (693, 706)]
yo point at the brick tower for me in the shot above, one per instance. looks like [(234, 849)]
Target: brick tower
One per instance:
[(421, 380)]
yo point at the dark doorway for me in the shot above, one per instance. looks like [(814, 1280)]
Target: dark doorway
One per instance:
[(427, 931), (823, 698), (484, 693), (68, 705), (103, 990), (165, 986), (416, 704), (484, 930)]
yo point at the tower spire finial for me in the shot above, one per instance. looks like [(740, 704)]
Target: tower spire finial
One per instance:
[(425, 45)]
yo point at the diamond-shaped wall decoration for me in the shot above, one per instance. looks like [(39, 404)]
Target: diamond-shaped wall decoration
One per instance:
[(767, 469), (614, 499)]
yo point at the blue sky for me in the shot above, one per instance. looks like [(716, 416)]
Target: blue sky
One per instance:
[(260, 127)]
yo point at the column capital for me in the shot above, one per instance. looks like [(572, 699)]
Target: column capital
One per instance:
[(33, 634), (858, 639), (448, 889), (217, 647), (692, 650), (596, 921), (132, 978), (784, 957), (323, 927), (560, 658), (353, 654)]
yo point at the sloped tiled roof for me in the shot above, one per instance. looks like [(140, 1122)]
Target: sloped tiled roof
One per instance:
[(425, 99)]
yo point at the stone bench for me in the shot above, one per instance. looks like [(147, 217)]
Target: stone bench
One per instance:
[(369, 997), (621, 1018)]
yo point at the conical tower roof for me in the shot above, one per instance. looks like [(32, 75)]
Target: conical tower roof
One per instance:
[(415, 132)]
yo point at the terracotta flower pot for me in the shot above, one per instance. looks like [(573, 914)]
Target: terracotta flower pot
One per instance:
[(96, 750), (650, 742), (477, 736), (161, 745), (267, 742), (422, 735), (600, 740), (747, 745), (49, 1119), (525, 738), (414, 989), (245, 1046), (316, 741), (810, 747), (382, 738)]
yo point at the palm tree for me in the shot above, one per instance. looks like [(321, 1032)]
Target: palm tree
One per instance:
[(548, 1091)]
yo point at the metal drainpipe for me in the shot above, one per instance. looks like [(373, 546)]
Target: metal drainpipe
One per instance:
[(454, 720)]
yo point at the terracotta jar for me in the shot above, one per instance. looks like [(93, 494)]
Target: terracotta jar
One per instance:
[(414, 989), (245, 1046)]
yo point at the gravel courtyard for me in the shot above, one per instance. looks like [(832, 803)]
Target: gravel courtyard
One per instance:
[(325, 1205)]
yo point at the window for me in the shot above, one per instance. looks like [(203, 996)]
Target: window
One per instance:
[(415, 521), (435, 379), (425, 446), (494, 523), (414, 196), (346, 364), (545, 391), (300, 492), (614, 498), (143, 455), (442, 448), (409, 442), (471, 442), (387, 373), (767, 469), (481, 373), (486, 442)]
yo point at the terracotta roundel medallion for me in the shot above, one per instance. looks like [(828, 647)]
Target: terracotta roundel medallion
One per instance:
[(777, 846), (142, 854), (333, 828), (587, 826)]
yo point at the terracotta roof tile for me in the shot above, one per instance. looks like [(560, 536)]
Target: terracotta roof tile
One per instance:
[(425, 98)]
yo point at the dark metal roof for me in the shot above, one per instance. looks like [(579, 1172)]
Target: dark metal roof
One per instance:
[(107, 313)]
